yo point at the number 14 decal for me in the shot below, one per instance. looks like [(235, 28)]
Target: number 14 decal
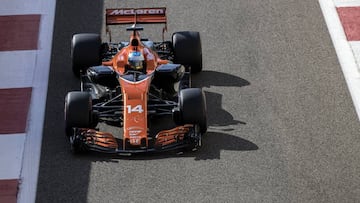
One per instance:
[(137, 108)]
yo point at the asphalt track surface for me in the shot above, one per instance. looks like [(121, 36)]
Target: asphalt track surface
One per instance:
[(282, 124)]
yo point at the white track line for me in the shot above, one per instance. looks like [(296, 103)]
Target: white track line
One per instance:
[(343, 50), (17, 68), (355, 47), (346, 3), (32, 149), (11, 145), (19, 7)]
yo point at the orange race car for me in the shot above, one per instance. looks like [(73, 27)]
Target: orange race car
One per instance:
[(128, 84)]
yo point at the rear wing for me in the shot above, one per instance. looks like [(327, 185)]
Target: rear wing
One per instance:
[(136, 15)]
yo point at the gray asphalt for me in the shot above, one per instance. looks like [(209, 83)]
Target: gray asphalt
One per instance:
[(282, 124)]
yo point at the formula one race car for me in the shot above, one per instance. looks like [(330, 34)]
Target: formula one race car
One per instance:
[(128, 84)]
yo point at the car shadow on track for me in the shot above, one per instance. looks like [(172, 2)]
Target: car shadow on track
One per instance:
[(215, 142), (217, 116), (209, 78)]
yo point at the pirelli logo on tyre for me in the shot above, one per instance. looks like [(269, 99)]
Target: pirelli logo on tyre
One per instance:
[(140, 11)]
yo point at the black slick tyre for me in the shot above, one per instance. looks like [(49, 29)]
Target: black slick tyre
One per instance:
[(85, 51), (187, 50), (78, 111), (192, 105)]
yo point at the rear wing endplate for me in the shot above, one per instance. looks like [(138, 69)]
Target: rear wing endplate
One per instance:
[(136, 15)]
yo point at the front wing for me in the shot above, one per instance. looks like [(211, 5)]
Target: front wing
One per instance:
[(186, 136)]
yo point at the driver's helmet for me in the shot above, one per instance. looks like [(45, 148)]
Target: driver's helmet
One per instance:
[(136, 60)]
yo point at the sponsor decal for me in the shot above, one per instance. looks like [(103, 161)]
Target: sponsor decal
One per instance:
[(135, 135), (144, 11), (138, 119), (135, 132)]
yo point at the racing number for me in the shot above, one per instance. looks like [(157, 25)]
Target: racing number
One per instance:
[(137, 108)]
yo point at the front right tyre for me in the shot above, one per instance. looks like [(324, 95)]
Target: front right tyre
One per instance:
[(192, 106)]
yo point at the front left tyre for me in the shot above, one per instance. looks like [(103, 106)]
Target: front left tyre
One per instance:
[(78, 114), (78, 110)]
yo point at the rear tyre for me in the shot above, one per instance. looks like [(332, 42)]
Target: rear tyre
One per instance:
[(187, 49), (192, 105), (85, 51)]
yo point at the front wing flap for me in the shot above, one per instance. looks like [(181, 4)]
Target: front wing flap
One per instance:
[(165, 140)]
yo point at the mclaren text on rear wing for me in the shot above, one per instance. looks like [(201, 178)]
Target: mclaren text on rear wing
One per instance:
[(135, 15)]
